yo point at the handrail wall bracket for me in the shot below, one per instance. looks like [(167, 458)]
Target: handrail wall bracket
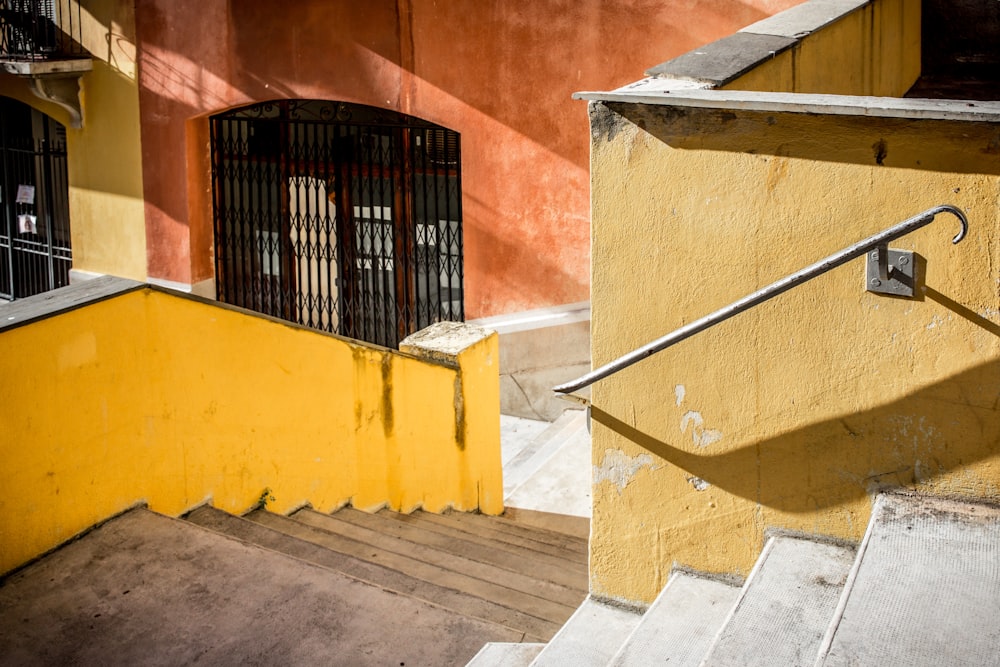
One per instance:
[(886, 267), (891, 271)]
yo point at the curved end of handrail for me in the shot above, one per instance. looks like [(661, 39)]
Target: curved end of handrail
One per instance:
[(958, 213)]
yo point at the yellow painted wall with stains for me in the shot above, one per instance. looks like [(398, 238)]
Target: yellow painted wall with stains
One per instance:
[(791, 415), (874, 50), (104, 160), (152, 397)]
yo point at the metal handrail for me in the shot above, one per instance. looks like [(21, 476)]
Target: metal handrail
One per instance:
[(833, 261)]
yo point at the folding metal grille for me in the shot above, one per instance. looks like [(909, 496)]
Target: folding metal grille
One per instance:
[(35, 250), (339, 217)]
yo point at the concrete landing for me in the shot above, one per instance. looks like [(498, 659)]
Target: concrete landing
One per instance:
[(925, 589), (144, 589)]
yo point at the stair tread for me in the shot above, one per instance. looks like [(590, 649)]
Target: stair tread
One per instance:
[(505, 654), (495, 529), (925, 589), (533, 605), (510, 557), (590, 638), (446, 555), (375, 573), (542, 448), (680, 625), (785, 605)]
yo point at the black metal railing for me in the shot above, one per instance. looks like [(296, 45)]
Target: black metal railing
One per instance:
[(35, 250), (38, 30), (339, 217)]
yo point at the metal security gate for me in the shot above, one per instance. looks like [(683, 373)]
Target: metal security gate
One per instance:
[(339, 217), (35, 252)]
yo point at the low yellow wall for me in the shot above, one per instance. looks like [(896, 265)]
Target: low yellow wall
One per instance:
[(874, 50), (792, 414), (152, 397)]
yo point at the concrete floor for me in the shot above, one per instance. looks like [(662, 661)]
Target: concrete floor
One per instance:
[(144, 589)]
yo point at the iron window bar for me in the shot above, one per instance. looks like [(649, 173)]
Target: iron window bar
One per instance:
[(876, 242)]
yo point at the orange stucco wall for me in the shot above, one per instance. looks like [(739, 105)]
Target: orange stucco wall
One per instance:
[(499, 73)]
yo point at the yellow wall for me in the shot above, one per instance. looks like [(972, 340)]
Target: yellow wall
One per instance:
[(105, 157), (790, 415), (872, 51), (151, 397), (104, 161)]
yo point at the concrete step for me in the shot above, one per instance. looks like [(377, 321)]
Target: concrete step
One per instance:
[(455, 556), (349, 562), (542, 448), (925, 589), (563, 483), (590, 638), (506, 654), (503, 533), (680, 625), (144, 589), (433, 568), (509, 557), (785, 605)]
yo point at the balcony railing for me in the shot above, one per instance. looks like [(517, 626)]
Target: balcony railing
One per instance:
[(40, 30)]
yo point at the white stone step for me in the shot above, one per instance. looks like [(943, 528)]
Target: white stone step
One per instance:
[(679, 627), (503, 654), (785, 605), (542, 448), (563, 484), (925, 589), (590, 638)]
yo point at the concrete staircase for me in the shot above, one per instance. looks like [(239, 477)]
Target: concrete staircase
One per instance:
[(345, 589), (923, 588)]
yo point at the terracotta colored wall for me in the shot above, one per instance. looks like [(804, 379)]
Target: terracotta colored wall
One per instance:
[(499, 73)]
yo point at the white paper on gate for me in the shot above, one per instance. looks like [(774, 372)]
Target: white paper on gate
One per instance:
[(27, 224), (25, 194)]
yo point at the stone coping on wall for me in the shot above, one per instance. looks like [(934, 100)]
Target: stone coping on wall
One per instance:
[(440, 344), (726, 59), (24, 311), (694, 79), (659, 92)]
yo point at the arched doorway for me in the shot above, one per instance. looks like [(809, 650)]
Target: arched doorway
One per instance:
[(35, 250), (340, 217)]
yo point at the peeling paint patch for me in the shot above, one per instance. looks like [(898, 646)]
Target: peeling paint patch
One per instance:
[(679, 392), (703, 437), (698, 483), (619, 468), (691, 416)]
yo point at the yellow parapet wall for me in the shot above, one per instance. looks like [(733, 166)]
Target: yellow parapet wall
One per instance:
[(788, 416), (872, 50), (151, 397)]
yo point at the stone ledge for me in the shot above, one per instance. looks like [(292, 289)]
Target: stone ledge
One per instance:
[(723, 60), (834, 105), (64, 299)]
